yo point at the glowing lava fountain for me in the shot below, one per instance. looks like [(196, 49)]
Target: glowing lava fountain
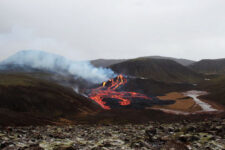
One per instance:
[(109, 90)]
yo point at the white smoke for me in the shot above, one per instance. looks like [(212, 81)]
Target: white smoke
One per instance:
[(55, 63), (76, 89)]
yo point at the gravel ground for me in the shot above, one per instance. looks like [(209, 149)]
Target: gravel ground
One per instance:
[(204, 135)]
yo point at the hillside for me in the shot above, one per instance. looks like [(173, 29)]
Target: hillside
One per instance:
[(216, 89), (25, 99), (157, 69), (155, 88), (209, 66)]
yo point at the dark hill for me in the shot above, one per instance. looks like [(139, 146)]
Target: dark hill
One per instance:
[(216, 89), (29, 100), (209, 66), (109, 62), (155, 88), (157, 69), (184, 62)]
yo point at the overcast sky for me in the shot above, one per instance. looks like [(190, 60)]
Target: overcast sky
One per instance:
[(90, 29)]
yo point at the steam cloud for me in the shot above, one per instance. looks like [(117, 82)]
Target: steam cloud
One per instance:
[(55, 63)]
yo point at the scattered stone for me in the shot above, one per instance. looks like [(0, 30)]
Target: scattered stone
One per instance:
[(208, 134)]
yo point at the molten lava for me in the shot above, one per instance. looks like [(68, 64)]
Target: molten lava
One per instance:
[(109, 90)]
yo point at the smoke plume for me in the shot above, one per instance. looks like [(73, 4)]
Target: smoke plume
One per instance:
[(55, 63)]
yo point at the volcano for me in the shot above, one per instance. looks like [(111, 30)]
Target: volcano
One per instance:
[(109, 95)]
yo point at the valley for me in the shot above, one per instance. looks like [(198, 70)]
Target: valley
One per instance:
[(149, 84), (112, 75), (143, 103), (188, 103)]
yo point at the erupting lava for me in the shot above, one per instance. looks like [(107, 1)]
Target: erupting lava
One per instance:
[(108, 90)]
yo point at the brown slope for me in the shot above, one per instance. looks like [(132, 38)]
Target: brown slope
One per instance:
[(27, 100)]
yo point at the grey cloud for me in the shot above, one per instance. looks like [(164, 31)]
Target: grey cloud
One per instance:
[(89, 29)]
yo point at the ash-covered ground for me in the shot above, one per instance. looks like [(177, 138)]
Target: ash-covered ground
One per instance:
[(204, 135)]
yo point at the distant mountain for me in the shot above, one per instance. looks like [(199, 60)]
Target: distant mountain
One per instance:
[(184, 62), (210, 66), (41, 60), (157, 69), (109, 62), (18, 68), (27, 99), (106, 62)]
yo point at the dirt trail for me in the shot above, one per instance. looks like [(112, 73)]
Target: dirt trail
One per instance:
[(205, 106), (186, 103)]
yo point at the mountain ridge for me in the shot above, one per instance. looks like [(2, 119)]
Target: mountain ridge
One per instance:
[(210, 66), (109, 62), (157, 69)]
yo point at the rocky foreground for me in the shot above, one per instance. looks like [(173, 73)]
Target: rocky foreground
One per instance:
[(208, 134)]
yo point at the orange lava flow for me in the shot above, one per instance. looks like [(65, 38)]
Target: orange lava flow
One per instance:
[(108, 90)]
